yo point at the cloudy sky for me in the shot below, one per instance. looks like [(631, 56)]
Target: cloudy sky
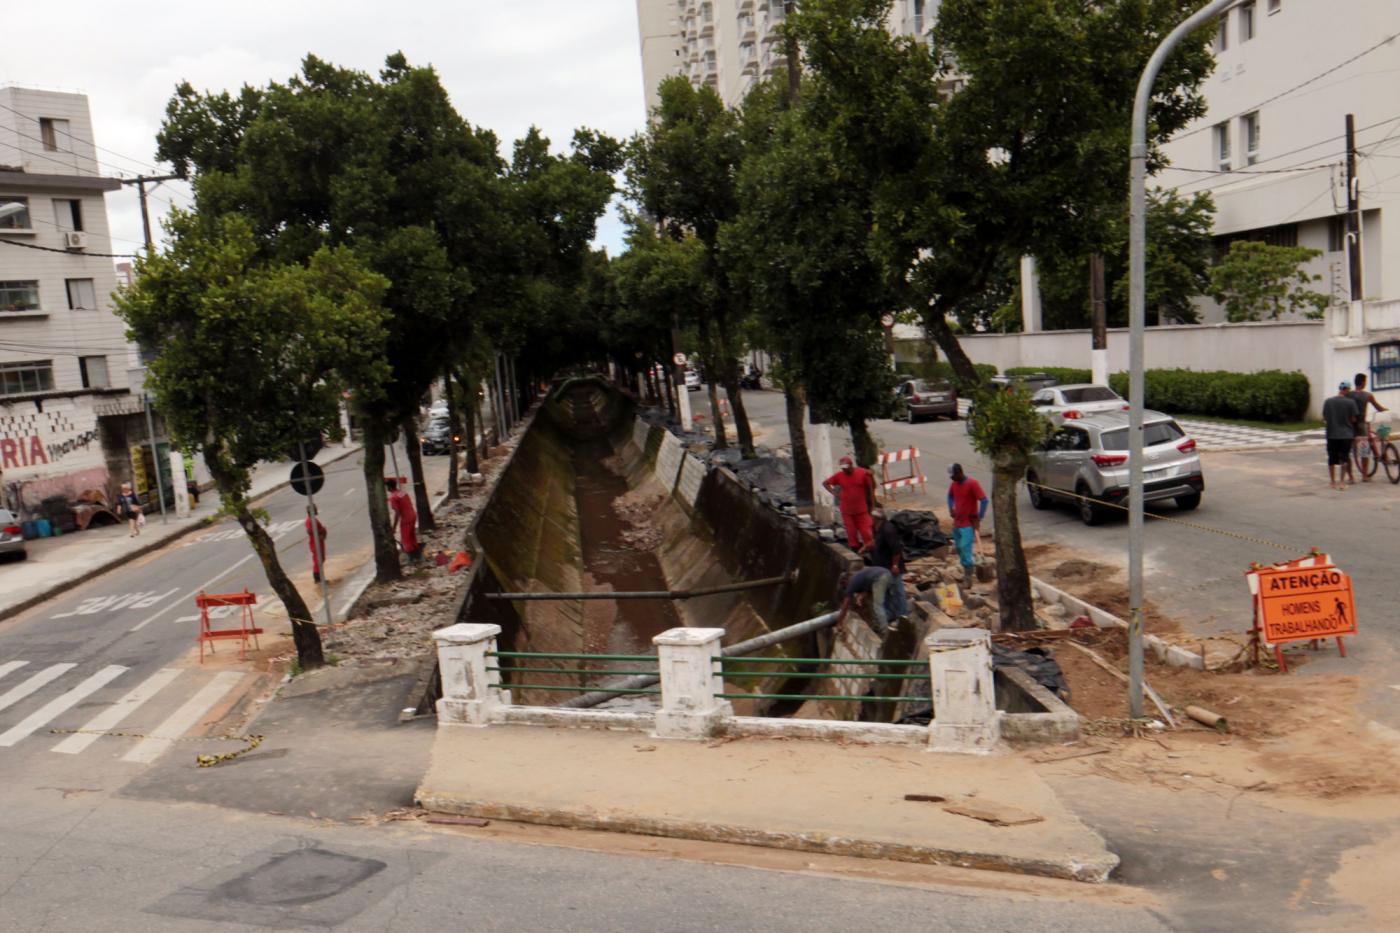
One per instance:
[(557, 64)]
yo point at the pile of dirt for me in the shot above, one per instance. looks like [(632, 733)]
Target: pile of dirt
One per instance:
[(638, 509)]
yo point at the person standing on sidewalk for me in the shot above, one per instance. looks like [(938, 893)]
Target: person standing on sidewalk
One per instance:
[(854, 487), (872, 583), (1339, 415), (888, 552), (967, 504), (129, 508), (405, 519), (317, 559)]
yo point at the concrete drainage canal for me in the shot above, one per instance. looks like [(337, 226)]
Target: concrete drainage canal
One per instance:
[(604, 533)]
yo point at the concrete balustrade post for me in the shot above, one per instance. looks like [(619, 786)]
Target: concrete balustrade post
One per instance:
[(469, 692), (690, 678), (965, 716)]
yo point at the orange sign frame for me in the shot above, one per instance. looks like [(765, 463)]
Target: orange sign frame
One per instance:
[(1305, 604)]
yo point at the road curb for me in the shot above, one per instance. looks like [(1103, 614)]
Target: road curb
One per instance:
[(142, 550)]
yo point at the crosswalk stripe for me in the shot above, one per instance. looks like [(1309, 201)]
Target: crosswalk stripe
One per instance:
[(60, 703), (180, 721), (11, 666), (112, 716), (22, 690)]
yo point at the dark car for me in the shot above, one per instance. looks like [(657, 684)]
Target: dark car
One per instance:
[(1030, 382), (927, 398), (437, 437)]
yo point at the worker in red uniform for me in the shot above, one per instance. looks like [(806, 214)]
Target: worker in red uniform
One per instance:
[(967, 504), (405, 519), (316, 559), (854, 487)]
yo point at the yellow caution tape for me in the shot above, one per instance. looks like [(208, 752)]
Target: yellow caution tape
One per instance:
[(203, 761)]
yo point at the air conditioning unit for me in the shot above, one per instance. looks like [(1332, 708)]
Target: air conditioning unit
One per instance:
[(75, 239)]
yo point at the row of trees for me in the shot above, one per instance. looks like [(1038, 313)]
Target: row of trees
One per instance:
[(353, 237)]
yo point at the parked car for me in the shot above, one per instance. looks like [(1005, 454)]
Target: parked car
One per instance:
[(1031, 382), (1076, 401), (1085, 462), (11, 535), (927, 398), (437, 437), (692, 380)]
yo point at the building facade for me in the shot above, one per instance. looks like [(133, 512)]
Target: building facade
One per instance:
[(728, 45), (67, 418)]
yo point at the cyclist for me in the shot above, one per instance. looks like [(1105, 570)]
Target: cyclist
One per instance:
[(1367, 446)]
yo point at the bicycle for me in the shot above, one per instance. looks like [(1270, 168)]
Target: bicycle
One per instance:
[(1363, 456), (1389, 455)]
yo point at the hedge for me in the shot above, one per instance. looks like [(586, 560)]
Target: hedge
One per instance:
[(940, 370), (1269, 395)]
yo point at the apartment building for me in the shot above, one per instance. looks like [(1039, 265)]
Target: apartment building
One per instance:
[(727, 45), (1271, 148), (67, 419)]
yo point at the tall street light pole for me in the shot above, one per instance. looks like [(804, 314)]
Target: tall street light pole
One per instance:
[(1137, 320)]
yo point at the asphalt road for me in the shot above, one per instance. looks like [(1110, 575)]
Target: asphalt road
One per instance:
[(1259, 505), (118, 653)]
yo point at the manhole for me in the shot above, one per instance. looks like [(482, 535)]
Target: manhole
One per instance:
[(300, 877)]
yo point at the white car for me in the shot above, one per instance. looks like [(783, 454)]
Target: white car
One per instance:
[(1060, 403), (692, 380), (11, 535)]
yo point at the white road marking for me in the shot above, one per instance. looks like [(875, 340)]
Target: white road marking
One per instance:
[(194, 592), (16, 665), (184, 718), (20, 691), (59, 704), (114, 603), (348, 492), (112, 716)]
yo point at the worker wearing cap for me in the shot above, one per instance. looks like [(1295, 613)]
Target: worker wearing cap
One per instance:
[(854, 487), (967, 504)]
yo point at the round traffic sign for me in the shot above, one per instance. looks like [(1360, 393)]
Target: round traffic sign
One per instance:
[(887, 320), (679, 359), (310, 481)]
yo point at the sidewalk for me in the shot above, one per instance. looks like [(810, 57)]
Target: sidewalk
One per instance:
[(59, 563), (781, 793)]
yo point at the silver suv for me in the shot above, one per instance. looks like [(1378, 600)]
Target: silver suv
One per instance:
[(1086, 462)]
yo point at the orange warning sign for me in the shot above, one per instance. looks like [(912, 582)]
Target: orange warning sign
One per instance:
[(1303, 603)]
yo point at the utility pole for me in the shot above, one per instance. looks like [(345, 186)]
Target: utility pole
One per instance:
[(1358, 290), (1099, 305), (140, 182), (682, 390)]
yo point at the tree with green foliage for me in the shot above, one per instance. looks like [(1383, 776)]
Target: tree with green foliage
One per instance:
[(1257, 281), (681, 173), (251, 357), (1007, 430)]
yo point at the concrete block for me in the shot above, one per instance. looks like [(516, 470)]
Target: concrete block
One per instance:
[(690, 678), (964, 698)]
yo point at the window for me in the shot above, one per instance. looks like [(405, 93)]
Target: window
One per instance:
[(1158, 432), (1222, 35), (20, 378), (94, 372), (1221, 136), (1275, 6), (82, 296), (55, 134), (1337, 234), (1385, 366), (68, 214), (18, 220), (1089, 394), (1069, 439), (1249, 123), (1246, 22), (19, 296)]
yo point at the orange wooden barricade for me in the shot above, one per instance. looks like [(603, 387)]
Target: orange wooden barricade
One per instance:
[(246, 629)]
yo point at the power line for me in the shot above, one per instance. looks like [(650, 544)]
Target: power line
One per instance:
[(1296, 87), (66, 252), (1249, 171), (28, 116)]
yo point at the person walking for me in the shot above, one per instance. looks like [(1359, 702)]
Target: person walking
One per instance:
[(405, 519), (967, 504), (854, 488), (1339, 416), (873, 584), (129, 508), (317, 558), (1366, 444), (888, 552)]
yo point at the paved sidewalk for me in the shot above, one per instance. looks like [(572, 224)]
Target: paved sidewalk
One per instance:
[(1215, 435), (58, 563), (783, 793)]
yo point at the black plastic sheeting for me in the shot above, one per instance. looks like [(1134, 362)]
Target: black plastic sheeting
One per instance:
[(1036, 662), (919, 531)]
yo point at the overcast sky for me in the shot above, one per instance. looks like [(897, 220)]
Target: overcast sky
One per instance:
[(557, 64)]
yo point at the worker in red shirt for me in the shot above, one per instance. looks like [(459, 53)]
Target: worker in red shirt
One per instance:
[(855, 488), (311, 540), (967, 504), (405, 519)]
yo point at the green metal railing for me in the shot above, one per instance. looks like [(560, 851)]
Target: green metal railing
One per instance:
[(729, 674), (529, 656)]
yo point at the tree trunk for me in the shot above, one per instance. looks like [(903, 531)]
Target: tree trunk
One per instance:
[(708, 355), (866, 451), (304, 633), (795, 401), (469, 422), (1013, 576), (386, 555), (937, 326), (729, 372), (671, 401), (421, 502), (454, 427)]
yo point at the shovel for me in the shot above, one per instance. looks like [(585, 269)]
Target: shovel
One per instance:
[(985, 571)]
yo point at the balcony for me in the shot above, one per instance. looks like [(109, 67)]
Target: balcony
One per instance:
[(774, 64), (707, 19), (748, 59), (747, 28), (744, 6)]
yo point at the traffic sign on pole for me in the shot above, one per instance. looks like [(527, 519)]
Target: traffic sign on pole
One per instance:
[(308, 477)]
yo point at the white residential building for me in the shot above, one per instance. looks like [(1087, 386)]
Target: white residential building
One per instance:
[(66, 415), (725, 44)]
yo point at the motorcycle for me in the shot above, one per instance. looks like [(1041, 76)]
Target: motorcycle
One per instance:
[(752, 380)]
